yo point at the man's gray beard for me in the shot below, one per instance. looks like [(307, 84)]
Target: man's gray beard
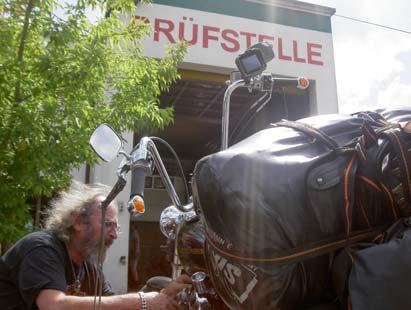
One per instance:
[(90, 248), (93, 256)]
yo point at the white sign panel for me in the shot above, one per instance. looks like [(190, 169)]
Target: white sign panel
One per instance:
[(215, 40)]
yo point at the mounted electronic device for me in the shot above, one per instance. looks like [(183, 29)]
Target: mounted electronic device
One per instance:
[(253, 61)]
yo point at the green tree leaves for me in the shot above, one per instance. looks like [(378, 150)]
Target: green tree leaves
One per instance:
[(60, 76)]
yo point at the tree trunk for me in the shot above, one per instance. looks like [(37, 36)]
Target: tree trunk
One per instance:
[(37, 214)]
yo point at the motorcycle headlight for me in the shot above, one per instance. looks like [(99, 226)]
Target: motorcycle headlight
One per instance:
[(169, 219)]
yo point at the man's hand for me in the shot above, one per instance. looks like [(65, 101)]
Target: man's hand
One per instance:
[(177, 285)]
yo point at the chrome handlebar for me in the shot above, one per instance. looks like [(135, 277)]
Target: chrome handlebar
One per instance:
[(263, 82), (146, 151)]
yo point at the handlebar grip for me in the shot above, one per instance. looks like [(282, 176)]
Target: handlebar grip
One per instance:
[(136, 202), (300, 82), (138, 179)]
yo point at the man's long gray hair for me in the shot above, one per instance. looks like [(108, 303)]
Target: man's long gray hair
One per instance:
[(81, 199)]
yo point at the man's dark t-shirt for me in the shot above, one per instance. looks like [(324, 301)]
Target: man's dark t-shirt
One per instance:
[(40, 261)]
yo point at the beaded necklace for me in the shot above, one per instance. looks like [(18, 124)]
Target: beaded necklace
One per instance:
[(74, 289)]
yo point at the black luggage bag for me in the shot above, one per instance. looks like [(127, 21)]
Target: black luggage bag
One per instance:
[(278, 204)]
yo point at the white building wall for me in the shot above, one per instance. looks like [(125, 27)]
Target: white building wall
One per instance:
[(79, 174)]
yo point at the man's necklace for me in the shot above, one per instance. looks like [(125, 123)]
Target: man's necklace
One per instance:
[(74, 289)]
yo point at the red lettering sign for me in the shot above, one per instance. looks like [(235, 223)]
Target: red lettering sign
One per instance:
[(311, 53), (230, 36), (280, 51), (194, 33), (167, 29), (248, 37), (295, 53), (207, 36), (142, 18), (230, 39), (263, 37)]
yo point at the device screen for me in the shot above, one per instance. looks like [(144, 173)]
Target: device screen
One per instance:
[(251, 63)]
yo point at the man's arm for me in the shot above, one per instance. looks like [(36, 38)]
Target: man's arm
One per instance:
[(49, 299)]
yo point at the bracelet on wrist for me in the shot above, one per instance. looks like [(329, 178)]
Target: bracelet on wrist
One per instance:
[(143, 301)]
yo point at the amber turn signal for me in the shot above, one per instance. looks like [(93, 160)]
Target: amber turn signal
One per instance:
[(137, 204), (303, 83)]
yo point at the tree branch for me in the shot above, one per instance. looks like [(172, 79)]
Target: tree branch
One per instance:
[(20, 52)]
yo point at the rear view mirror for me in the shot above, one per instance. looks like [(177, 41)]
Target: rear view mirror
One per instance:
[(105, 142)]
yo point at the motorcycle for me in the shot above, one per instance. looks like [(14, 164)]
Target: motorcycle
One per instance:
[(183, 224)]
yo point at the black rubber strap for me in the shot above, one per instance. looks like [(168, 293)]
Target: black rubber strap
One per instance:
[(370, 137), (374, 117), (296, 255), (310, 131), (395, 136), (349, 196)]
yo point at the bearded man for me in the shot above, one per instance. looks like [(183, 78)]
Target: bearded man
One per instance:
[(51, 269)]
